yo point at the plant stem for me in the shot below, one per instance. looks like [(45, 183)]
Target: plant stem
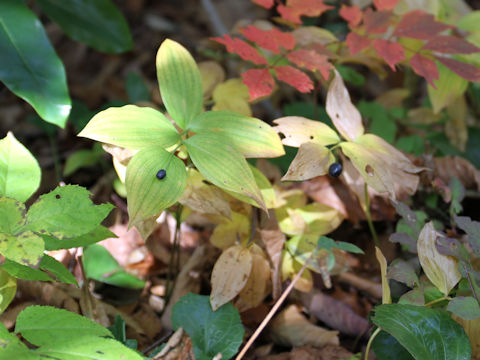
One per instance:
[(429, 304), (472, 283), (175, 256), (370, 341), (369, 217)]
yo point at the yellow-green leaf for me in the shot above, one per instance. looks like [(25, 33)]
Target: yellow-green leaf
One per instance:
[(449, 86), (8, 288), (230, 231), (180, 82), (312, 160), (251, 136), (298, 130), (147, 195), (386, 297), (131, 127), (232, 95), (26, 248)]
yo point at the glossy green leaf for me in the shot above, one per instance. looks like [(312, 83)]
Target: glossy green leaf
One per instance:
[(29, 65), (131, 127), (251, 136), (66, 212), (180, 82), (147, 195), (223, 165), (449, 86), (386, 347), (97, 234), (12, 348), (100, 265), (97, 23), (56, 268), (212, 333), (427, 334), (25, 272), (12, 214), (465, 307), (25, 248), (8, 288), (19, 171)]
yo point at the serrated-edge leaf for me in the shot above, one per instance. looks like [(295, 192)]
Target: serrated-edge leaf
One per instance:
[(12, 213), (12, 348), (97, 234), (26, 248)]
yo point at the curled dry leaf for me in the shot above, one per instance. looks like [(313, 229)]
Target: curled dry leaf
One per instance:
[(230, 274), (312, 160), (344, 114), (454, 166), (212, 74), (291, 328), (386, 297), (440, 269), (298, 130)]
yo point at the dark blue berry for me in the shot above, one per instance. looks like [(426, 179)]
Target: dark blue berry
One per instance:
[(161, 174), (335, 170)]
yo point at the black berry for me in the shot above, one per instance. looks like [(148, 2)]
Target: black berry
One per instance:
[(161, 174), (335, 170)]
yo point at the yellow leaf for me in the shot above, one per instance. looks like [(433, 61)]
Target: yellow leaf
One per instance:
[(423, 115), (290, 267), (212, 74), (256, 287), (472, 329), (440, 269), (312, 160), (232, 95), (229, 232), (449, 86), (298, 130), (386, 297)]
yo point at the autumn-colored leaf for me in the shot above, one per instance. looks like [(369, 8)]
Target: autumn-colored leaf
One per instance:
[(298, 130), (312, 61), (312, 160), (425, 67), (256, 287), (259, 81), (466, 71), (390, 51), (296, 8), (242, 49), (386, 295), (385, 4), (376, 22), (294, 77), (352, 14), (269, 39), (357, 43), (418, 24), (450, 45), (267, 4)]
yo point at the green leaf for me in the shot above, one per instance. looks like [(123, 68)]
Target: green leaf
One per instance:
[(251, 136), (464, 307), (8, 288), (350, 75), (100, 265), (55, 267), (83, 158), (29, 66), (24, 272), (427, 334), (12, 214), (97, 23), (212, 333), (131, 127), (449, 86), (118, 329), (147, 195), (12, 348), (26, 248), (223, 165), (381, 123), (386, 347), (136, 87), (19, 171), (180, 82), (66, 212), (412, 144), (97, 234)]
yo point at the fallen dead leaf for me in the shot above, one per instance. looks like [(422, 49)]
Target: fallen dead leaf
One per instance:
[(450, 166)]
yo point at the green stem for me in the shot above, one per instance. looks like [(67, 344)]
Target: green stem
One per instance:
[(369, 217), (370, 341), (433, 302)]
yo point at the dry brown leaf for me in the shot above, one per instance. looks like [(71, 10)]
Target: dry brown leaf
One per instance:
[(447, 167), (312, 160), (386, 296), (393, 97), (440, 269), (212, 74), (291, 328), (344, 114), (423, 115), (456, 127), (307, 352), (178, 347), (298, 130), (230, 274), (472, 329)]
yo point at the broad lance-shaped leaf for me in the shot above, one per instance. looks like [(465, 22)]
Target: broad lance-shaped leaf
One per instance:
[(28, 64), (427, 334), (180, 82), (12, 214), (223, 165), (298, 130), (147, 195), (97, 23), (131, 127), (19, 171), (252, 137), (26, 248)]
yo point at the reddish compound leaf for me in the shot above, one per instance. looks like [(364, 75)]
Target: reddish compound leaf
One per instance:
[(376, 22), (450, 45), (418, 24), (385, 4), (294, 77), (390, 51), (269, 39), (296, 8), (259, 81), (357, 42), (267, 4), (425, 67), (352, 14), (311, 60), (467, 71), (242, 49)]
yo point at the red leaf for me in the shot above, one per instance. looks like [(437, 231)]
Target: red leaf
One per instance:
[(294, 77), (425, 67), (312, 61), (242, 49), (269, 39), (467, 71), (352, 14), (376, 22), (385, 4), (418, 24), (267, 4), (390, 51), (259, 81), (450, 45), (296, 8), (356, 42)]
